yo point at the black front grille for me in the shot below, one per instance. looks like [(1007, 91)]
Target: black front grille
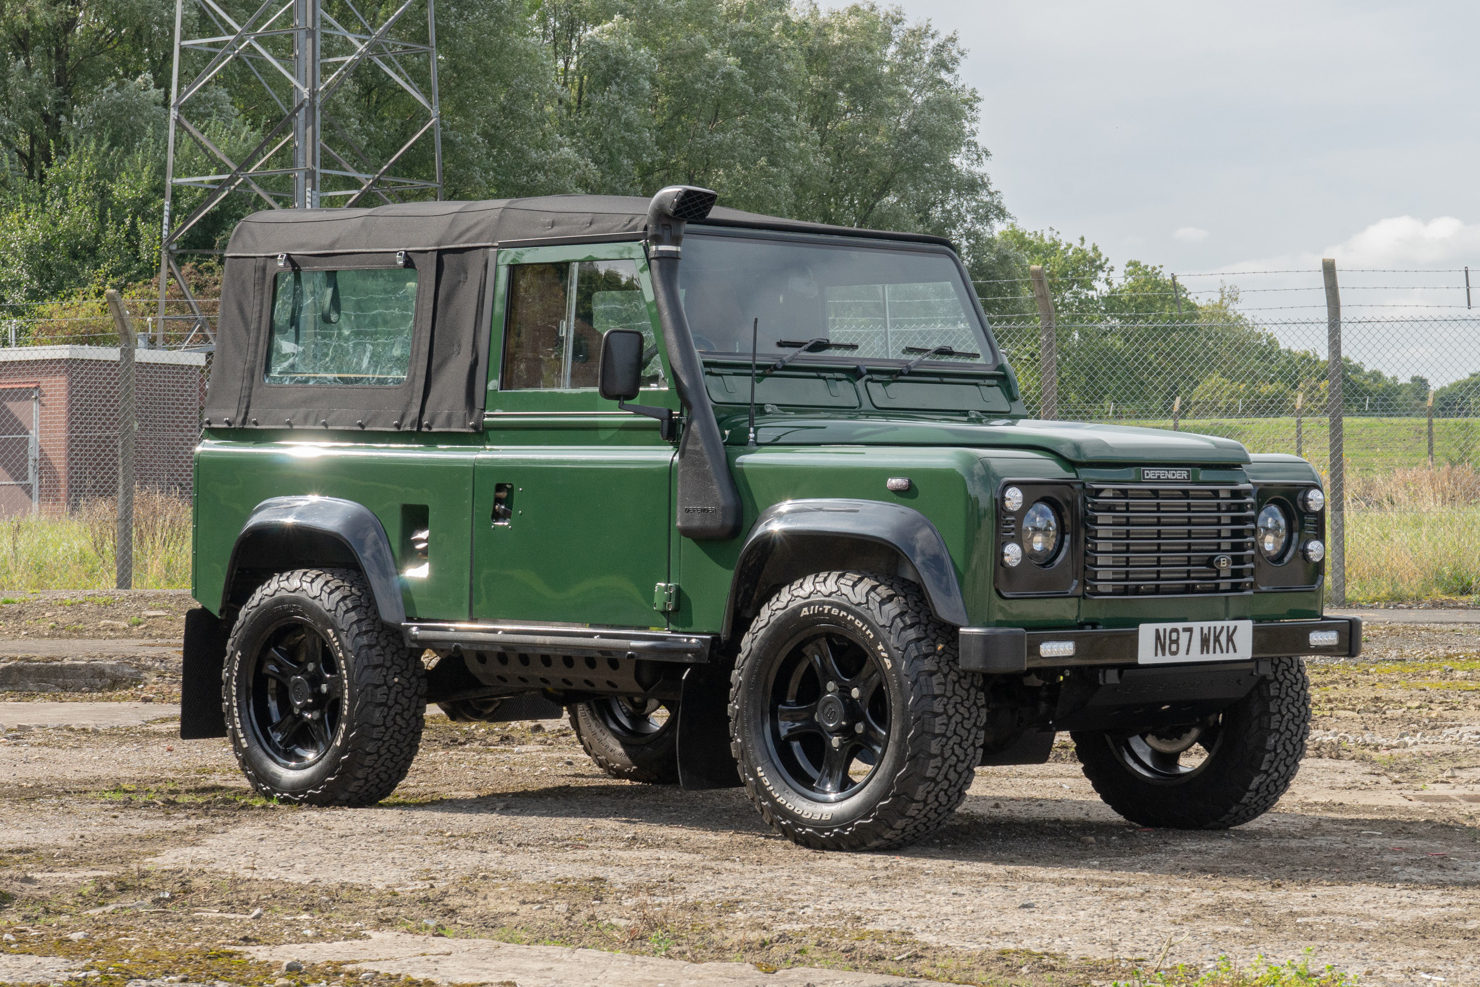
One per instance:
[(1146, 539)]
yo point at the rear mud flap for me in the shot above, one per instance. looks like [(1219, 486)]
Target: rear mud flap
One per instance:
[(200, 676), (704, 758)]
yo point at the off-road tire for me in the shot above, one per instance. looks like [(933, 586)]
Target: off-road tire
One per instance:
[(936, 715), (652, 759), (382, 703), (1258, 751)]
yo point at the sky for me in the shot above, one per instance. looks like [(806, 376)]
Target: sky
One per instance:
[(1240, 137)]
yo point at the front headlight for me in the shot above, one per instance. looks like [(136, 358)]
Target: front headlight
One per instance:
[(1041, 532), (1272, 532)]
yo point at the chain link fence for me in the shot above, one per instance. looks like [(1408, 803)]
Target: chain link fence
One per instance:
[(64, 406), (1384, 403), (1407, 425)]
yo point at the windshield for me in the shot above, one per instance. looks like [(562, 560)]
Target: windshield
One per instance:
[(861, 302)]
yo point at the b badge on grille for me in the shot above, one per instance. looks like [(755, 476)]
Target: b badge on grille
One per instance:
[(1151, 473)]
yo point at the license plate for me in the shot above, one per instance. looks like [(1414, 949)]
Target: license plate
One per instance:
[(1206, 640)]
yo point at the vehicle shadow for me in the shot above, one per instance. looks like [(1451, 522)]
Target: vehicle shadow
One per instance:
[(1060, 834)]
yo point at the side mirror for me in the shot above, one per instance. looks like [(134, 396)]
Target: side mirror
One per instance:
[(619, 375)]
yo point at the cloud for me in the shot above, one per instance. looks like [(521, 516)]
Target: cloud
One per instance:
[(1190, 234), (1403, 241)]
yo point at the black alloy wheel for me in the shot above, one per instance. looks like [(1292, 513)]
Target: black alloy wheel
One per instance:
[(633, 719), (851, 721), (323, 700), (297, 694), (1170, 755), (634, 738), (829, 716), (1222, 772)]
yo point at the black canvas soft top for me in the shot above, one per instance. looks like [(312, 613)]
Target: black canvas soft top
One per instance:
[(451, 246), (419, 226)]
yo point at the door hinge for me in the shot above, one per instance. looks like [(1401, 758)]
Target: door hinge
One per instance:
[(665, 597)]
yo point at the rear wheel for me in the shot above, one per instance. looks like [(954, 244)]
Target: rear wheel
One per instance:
[(1219, 772), (323, 701), (632, 738), (853, 724)]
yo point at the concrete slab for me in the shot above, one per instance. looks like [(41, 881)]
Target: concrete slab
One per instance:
[(484, 961), (26, 716), (67, 647), (1416, 615), (22, 968), (67, 675)]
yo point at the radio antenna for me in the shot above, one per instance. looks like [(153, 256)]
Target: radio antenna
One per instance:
[(755, 328)]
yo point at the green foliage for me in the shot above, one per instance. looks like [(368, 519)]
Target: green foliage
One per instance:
[(1135, 343), (851, 116), (1260, 973), (61, 56), (1460, 399)]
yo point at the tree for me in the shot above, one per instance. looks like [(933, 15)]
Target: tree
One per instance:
[(850, 116), (60, 54)]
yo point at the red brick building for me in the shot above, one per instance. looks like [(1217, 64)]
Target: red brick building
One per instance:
[(59, 424)]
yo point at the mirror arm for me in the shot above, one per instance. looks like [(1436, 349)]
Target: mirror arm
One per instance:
[(667, 421)]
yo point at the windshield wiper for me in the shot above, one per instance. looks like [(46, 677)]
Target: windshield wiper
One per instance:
[(816, 345), (927, 352)]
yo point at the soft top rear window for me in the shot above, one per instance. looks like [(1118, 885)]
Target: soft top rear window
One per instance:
[(872, 302), (351, 327)]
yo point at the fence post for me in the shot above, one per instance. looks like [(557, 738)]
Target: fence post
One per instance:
[(1299, 425), (124, 554), (1048, 349), (1431, 428), (1177, 413), (1336, 495)]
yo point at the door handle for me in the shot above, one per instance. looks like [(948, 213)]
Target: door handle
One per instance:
[(503, 503)]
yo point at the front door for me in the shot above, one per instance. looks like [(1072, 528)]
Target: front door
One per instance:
[(572, 512)]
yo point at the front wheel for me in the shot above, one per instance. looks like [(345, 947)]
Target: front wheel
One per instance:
[(1213, 774), (852, 722), (323, 701)]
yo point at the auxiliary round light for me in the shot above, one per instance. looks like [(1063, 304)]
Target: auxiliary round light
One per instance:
[(1272, 532), (1012, 499), (1313, 500), (1313, 551), (1041, 532), (1012, 554)]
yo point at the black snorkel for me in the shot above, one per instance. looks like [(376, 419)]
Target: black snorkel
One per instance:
[(708, 503)]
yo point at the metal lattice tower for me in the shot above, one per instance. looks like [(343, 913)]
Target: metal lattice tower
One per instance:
[(288, 59)]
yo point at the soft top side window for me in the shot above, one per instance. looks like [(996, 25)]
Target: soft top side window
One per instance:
[(350, 328), (557, 314)]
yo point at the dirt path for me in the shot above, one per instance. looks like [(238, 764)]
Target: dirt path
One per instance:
[(507, 832)]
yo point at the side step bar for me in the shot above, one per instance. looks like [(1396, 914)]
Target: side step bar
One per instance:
[(605, 642)]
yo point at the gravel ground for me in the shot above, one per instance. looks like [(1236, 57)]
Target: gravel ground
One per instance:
[(138, 856)]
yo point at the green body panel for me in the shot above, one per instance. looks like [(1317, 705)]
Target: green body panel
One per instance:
[(236, 471), (1076, 443), (588, 539), (591, 534)]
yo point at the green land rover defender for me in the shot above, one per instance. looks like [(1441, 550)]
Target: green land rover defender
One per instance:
[(752, 501)]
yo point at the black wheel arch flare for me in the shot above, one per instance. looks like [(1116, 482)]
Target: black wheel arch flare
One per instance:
[(835, 531), (296, 532)]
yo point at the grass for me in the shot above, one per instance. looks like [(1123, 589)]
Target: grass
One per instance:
[(1226, 973), (1371, 445), (1413, 533), (1413, 555), (76, 551)]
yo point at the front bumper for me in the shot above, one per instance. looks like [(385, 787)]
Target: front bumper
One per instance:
[(997, 650)]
